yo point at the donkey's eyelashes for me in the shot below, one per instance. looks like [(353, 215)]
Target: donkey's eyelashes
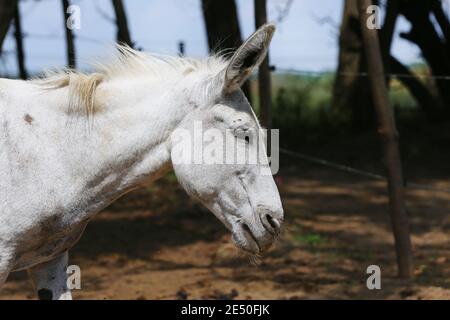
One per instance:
[(219, 118)]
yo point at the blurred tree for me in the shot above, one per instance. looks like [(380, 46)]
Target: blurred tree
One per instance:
[(19, 42), (7, 8), (442, 20), (264, 77), (222, 29), (181, 47), (351, 92), (222, 24), (387, 32), (434, 44), (70, 44), (425, 99), (123, 33)]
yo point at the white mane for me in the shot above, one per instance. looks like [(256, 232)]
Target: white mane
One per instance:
[(130, 62), (127, 62)]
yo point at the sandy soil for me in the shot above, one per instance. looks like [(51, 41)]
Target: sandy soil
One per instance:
[(156, 243)]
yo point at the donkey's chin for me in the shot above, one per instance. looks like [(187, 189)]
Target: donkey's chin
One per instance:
[(244, 239), (246, 243)]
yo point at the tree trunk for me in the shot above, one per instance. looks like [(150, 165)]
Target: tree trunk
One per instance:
[(70, 45), (264, 80), (387, 32), (222, 29), (423, 96), (123, 33), (417, 89), (19, 43), (222, 25), (351, 91), (443, 22), (389, 138), (434, 49), (7, 8)]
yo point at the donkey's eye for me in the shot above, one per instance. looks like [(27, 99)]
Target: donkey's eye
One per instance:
[(243, 133), (244, 136), (218, 119)]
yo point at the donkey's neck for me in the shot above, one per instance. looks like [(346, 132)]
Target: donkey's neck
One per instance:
[(128, 142)]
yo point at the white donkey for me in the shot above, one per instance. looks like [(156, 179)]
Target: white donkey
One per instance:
[(72, 143)]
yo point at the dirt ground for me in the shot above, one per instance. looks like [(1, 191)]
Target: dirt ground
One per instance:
[(156, 243)]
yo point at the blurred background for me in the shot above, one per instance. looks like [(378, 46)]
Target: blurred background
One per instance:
[(157, 243)]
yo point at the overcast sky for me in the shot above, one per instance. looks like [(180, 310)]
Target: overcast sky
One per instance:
[(306, 39)]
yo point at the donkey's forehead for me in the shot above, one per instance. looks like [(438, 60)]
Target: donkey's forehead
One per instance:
[(226, 112), (233, 103), (236, 100)]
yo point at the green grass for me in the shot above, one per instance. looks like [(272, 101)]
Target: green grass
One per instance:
[(302, 106), (310, 239)]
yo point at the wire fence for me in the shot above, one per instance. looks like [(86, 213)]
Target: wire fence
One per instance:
[(415, 75), (361, 74), (355, 171)]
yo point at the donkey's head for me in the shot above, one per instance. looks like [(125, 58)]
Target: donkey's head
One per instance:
[(224, 163)]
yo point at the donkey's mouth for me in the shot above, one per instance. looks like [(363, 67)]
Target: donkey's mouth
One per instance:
[(245, 240)]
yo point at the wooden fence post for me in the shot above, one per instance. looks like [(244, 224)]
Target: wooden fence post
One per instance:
[(389, 139), (18, 35), (7, 8), (181, 48), (70, 45)]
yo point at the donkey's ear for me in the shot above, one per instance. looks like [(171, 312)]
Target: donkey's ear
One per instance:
[(248, 57)]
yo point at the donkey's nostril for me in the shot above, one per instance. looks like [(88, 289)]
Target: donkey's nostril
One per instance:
[(270, 220), (270, 223)]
